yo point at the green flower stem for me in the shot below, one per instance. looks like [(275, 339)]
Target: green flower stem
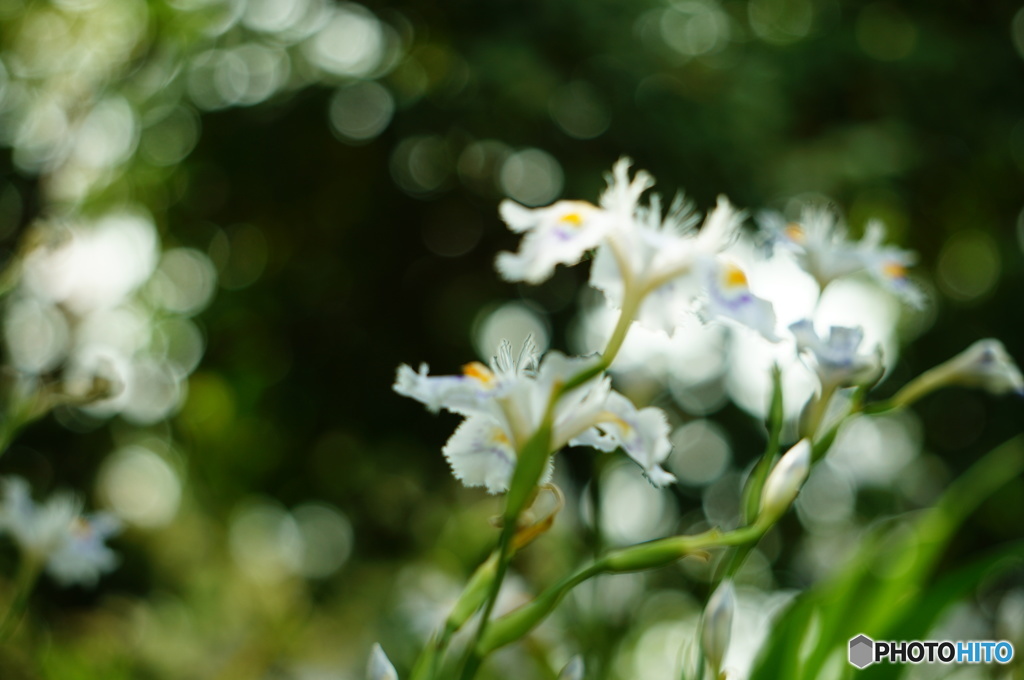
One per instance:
[(24, 582), (630, 306), (924, 384), (529, 468), (755, 483), (653, 554), (530, 465)]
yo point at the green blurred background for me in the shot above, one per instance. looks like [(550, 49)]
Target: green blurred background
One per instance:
[(338, 167)]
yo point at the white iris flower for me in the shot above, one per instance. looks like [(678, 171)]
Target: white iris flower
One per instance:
[(820, 244), (55, 533), (505, 403), (728, 296), (837, 359)]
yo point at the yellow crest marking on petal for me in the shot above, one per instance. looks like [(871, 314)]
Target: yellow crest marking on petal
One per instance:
[(499, 436), (734, 276), (894, 270), (795, 232), (81, 528), (478, 371), (573, 218)]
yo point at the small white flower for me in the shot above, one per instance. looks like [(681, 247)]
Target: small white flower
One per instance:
[(655, 255), (558, 234), (784, 482), (837, 359), (379, 666), (728, 296), (505, 407), (717, 624), (37, 529), (986, 364), (888, 264), (83, 556), (818, 241), (56, 534)]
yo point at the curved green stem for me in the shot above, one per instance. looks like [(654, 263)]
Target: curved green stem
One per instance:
[(644, 556)]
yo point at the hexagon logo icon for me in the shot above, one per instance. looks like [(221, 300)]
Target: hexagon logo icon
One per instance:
[(862, 651)]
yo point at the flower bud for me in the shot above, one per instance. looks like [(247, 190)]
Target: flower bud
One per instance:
[(986, 364), (380, 667), (717, 625), (784, 482), (573, 670)]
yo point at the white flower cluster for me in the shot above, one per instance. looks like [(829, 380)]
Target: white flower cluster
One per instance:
[(56, 534), (658, 269)]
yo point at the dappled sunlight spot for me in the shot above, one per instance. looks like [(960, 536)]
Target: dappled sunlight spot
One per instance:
[(512, 321), (749, 377), (361, 111), (819, 554), (885, 32), (579, 110), (694, 27), (1010, 616), (180, 343), (96, 265), (265, 541), (39, 139), (662, 647), (1017, 31), (424, 595), (108, 135), (140, 487), (826, 499), (700, 452), (480, 164), (169, 134), (531, 177), (152, 392), (875, 451), (122, 330), (721, 501), (184, 281), (631, 509), (37, 335), (266, 69), (781, 21), (421, 165), (611, 597), (326, 537), (969, 265), (273, 16), (351, 43)]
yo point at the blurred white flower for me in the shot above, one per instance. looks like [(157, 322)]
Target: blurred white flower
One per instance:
[(505, 405), (558, 234), (83, 556), (837, 359), (819, 242), (38, 529), (56, 534), (380, 667), (988, 365), (728, 296)]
